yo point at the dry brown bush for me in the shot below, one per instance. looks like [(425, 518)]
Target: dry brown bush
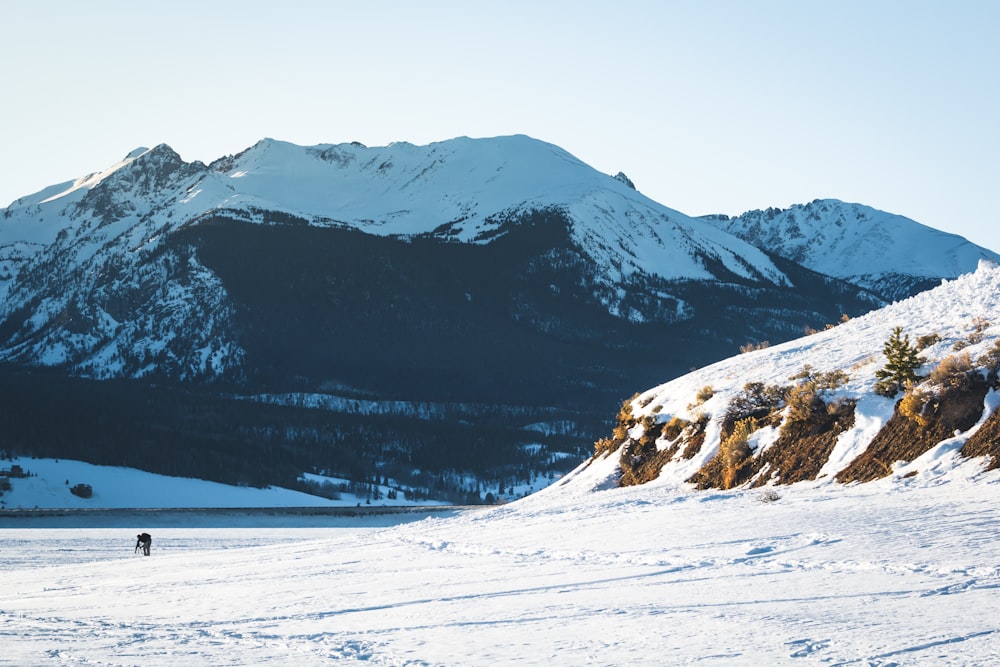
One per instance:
[(927, 340), (673, 428), (916, 405), (734, 452)]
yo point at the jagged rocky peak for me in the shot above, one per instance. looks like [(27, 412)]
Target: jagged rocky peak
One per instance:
[(620, 176)]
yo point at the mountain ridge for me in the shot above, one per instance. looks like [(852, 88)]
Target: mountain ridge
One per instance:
[(848, 240)]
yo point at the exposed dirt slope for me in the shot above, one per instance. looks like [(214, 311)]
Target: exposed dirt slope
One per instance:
[(904, 439), (986, 442), (804, 447)]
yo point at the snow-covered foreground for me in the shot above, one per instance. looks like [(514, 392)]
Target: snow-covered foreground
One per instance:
[(898, 572)]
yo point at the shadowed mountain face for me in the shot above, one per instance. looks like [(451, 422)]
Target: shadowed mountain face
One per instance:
[(518, 320)]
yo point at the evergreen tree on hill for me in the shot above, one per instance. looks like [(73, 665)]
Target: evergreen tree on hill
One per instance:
[(902, 362)]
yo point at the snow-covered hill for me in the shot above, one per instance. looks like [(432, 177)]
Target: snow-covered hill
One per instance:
[(853, 432), (889, 255)]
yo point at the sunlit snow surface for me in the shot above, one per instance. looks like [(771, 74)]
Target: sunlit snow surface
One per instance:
[(896, 572)]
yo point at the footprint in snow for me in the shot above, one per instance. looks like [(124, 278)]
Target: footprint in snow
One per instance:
[(807, 647), (757, 551)]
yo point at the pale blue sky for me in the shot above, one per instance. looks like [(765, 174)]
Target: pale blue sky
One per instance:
[(710, 106)]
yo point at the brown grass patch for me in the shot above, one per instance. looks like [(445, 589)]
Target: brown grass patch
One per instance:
[(641, 461), (694, 437)]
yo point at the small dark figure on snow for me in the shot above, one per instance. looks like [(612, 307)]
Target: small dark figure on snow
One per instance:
[(143, 541)]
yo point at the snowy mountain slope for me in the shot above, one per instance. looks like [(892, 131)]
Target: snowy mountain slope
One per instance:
[(89, 279), (455, 189), (890, 255), (960, 317)]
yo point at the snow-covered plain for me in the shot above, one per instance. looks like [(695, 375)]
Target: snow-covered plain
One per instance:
[(898, 572)]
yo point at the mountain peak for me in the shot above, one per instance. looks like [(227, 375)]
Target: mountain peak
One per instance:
[(620, 176), (890, 255)]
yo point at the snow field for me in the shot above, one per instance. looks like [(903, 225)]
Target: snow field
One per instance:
[(878, 574)]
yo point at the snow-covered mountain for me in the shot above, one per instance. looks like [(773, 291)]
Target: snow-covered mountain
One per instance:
[(813, 408), (88, 276), (889, 255), (504, 283), (462, 190)]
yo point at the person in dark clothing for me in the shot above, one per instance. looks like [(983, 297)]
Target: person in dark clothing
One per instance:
[(143, 541)]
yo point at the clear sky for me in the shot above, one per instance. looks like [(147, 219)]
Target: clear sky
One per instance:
[(709, 106)]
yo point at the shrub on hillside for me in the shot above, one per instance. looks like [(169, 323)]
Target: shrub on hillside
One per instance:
[(915, 403), (954, 375), (979, 327), (927, 340), (990, 360), (953, 372), (694, 435), (624, 420), (673, 428), (735, 452), (757, 400), (619, 434), (806, 399)]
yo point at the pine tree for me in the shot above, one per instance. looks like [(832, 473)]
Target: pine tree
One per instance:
[(902, 362)]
